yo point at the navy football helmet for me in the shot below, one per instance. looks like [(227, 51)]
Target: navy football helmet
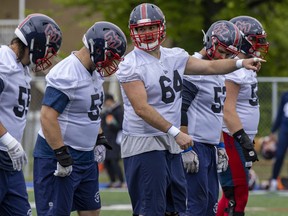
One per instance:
[(107, 44), (222, 34), (42, 36), (254, 42), (143, 15)]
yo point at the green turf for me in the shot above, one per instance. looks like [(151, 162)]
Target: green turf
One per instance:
[(270, 204)]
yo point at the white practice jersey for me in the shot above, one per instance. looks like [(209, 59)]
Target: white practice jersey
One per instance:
[(247, 105), (80, 120), (16, 95), (162, 79), (205, 97)]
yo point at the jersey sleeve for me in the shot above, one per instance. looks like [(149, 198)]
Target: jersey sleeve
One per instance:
[(236, 76), (127, 71)]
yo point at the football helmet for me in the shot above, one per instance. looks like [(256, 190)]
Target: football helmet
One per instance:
[(222, 34), (255, 38), (42, 36), (107, 44), (144, 15)]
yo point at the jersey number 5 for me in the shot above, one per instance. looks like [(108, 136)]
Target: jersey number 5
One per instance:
[(24, 99)]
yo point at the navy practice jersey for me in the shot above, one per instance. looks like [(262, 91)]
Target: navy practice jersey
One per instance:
[(15, 96), (80, 120), (247, 105), (202, 106), (282, 115)]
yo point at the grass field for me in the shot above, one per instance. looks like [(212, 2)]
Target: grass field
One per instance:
[(116, 202)]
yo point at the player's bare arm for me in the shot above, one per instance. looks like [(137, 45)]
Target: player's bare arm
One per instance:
[(231, 117), (50, 127), (196, 66)]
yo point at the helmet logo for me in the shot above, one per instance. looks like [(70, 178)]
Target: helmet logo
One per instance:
[(112, 40), (222, 31), (243, 26), (53, 33)]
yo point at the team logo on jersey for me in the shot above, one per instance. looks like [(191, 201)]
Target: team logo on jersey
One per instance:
[(113, 40), (29, 212), (215, 208), (53, 33)]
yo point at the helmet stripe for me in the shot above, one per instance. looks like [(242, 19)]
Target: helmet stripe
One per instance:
[(143, 11)]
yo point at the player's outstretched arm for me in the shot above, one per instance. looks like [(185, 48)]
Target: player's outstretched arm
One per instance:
[(196, 66)]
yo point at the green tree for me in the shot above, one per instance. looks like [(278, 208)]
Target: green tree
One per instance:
[(186, 18)]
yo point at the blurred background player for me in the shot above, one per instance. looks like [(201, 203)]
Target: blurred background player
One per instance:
[(202, 118), (38, 39), (111, 123), (65, 155), (151, 85), (241, 117), (281, 125)]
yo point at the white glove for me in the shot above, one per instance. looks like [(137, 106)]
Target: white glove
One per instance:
[(15, 151), (99, 153), (63, 171), (222, 158), (190, 161)]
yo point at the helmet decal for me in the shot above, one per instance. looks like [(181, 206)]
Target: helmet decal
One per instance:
[(113, 40), (53, 33)]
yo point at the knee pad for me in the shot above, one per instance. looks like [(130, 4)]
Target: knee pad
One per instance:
[(171, 214)]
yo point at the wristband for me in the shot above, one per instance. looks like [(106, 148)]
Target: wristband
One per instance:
[(173, 131), (239, 63), (188, 149), (221, 145), (7, 140)]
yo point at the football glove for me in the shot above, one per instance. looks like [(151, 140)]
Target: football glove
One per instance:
[(99, 153), (222, 158), (101, 140), (64, 162), (247, 147), (190, 160), (15, 151)]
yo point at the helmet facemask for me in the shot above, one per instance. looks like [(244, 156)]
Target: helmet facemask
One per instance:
[(41, 64), (110, 64), (149, 40), (258, 45)]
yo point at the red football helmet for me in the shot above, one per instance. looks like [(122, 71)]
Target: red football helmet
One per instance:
[(143, 15)]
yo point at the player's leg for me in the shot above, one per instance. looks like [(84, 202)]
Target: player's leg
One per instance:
[(86, 194), (176, 191), (147, 179), (236, 175), (13, 197), (213, 185), (282, 145), (43, 180)]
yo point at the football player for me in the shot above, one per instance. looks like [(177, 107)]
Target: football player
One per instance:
[(241, 118), (280, 125), (70, 141), (202, 118), (151, 83), (38, 39)]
